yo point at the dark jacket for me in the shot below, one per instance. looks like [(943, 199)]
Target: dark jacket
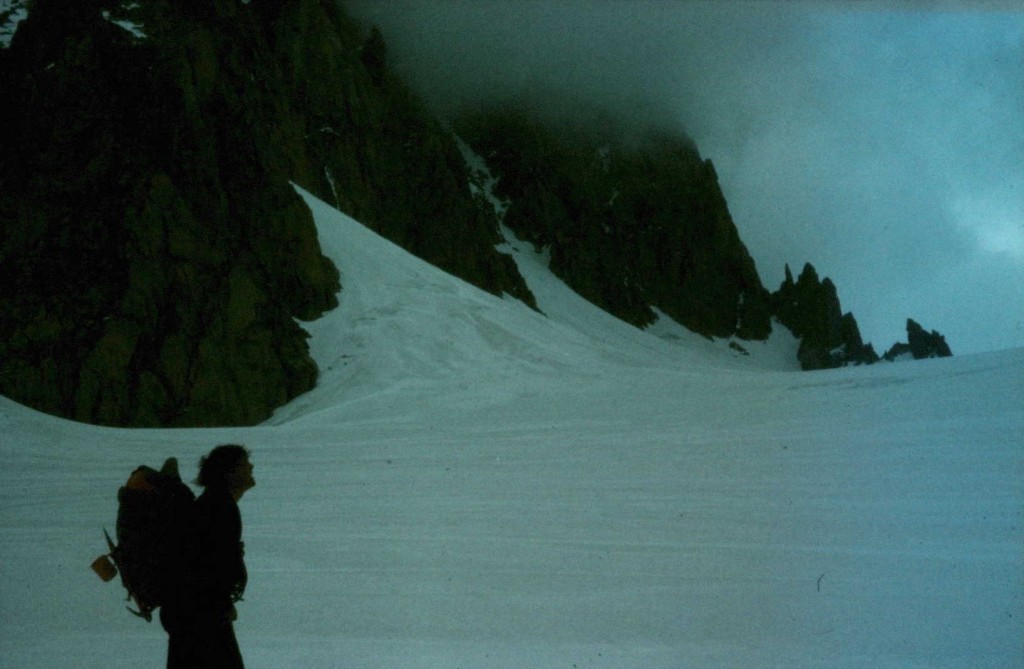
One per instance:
[(198, 618), (213, 575), (219, 573)]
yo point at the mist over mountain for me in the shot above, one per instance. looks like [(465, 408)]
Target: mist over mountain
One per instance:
[(879, 140), (155, 257)]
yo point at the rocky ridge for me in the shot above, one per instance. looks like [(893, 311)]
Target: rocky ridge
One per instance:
[(155, 258), (920, 344), (630, 226), (810, 308), (637, 223)]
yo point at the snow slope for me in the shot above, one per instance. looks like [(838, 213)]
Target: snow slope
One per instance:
[(475, 484)]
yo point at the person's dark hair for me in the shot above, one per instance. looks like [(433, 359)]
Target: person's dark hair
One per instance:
[(215, 468)]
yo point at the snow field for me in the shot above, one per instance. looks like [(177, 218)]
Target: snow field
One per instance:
[(474, 484)]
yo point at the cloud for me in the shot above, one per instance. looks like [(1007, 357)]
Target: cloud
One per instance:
[(995, 218), (878, 140)]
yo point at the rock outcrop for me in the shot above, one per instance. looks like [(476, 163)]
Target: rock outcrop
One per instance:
[(155, 257), (152, 263), (153, 254), (920, 345), (810, 308), (629, 226), (377, 153)]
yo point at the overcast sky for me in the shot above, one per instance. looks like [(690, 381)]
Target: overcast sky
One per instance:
[(881, 141)]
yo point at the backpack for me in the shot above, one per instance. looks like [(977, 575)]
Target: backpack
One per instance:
[(155, 517)]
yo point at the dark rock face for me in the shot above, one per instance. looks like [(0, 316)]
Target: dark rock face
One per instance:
[(153, 254), (810, 308), (920, 344), (628, 227), (374, 151)]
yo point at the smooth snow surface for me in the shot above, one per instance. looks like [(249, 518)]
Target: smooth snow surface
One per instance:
[(475, 484)]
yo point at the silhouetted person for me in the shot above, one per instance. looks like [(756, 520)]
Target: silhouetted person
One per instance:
[(199, 618)]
